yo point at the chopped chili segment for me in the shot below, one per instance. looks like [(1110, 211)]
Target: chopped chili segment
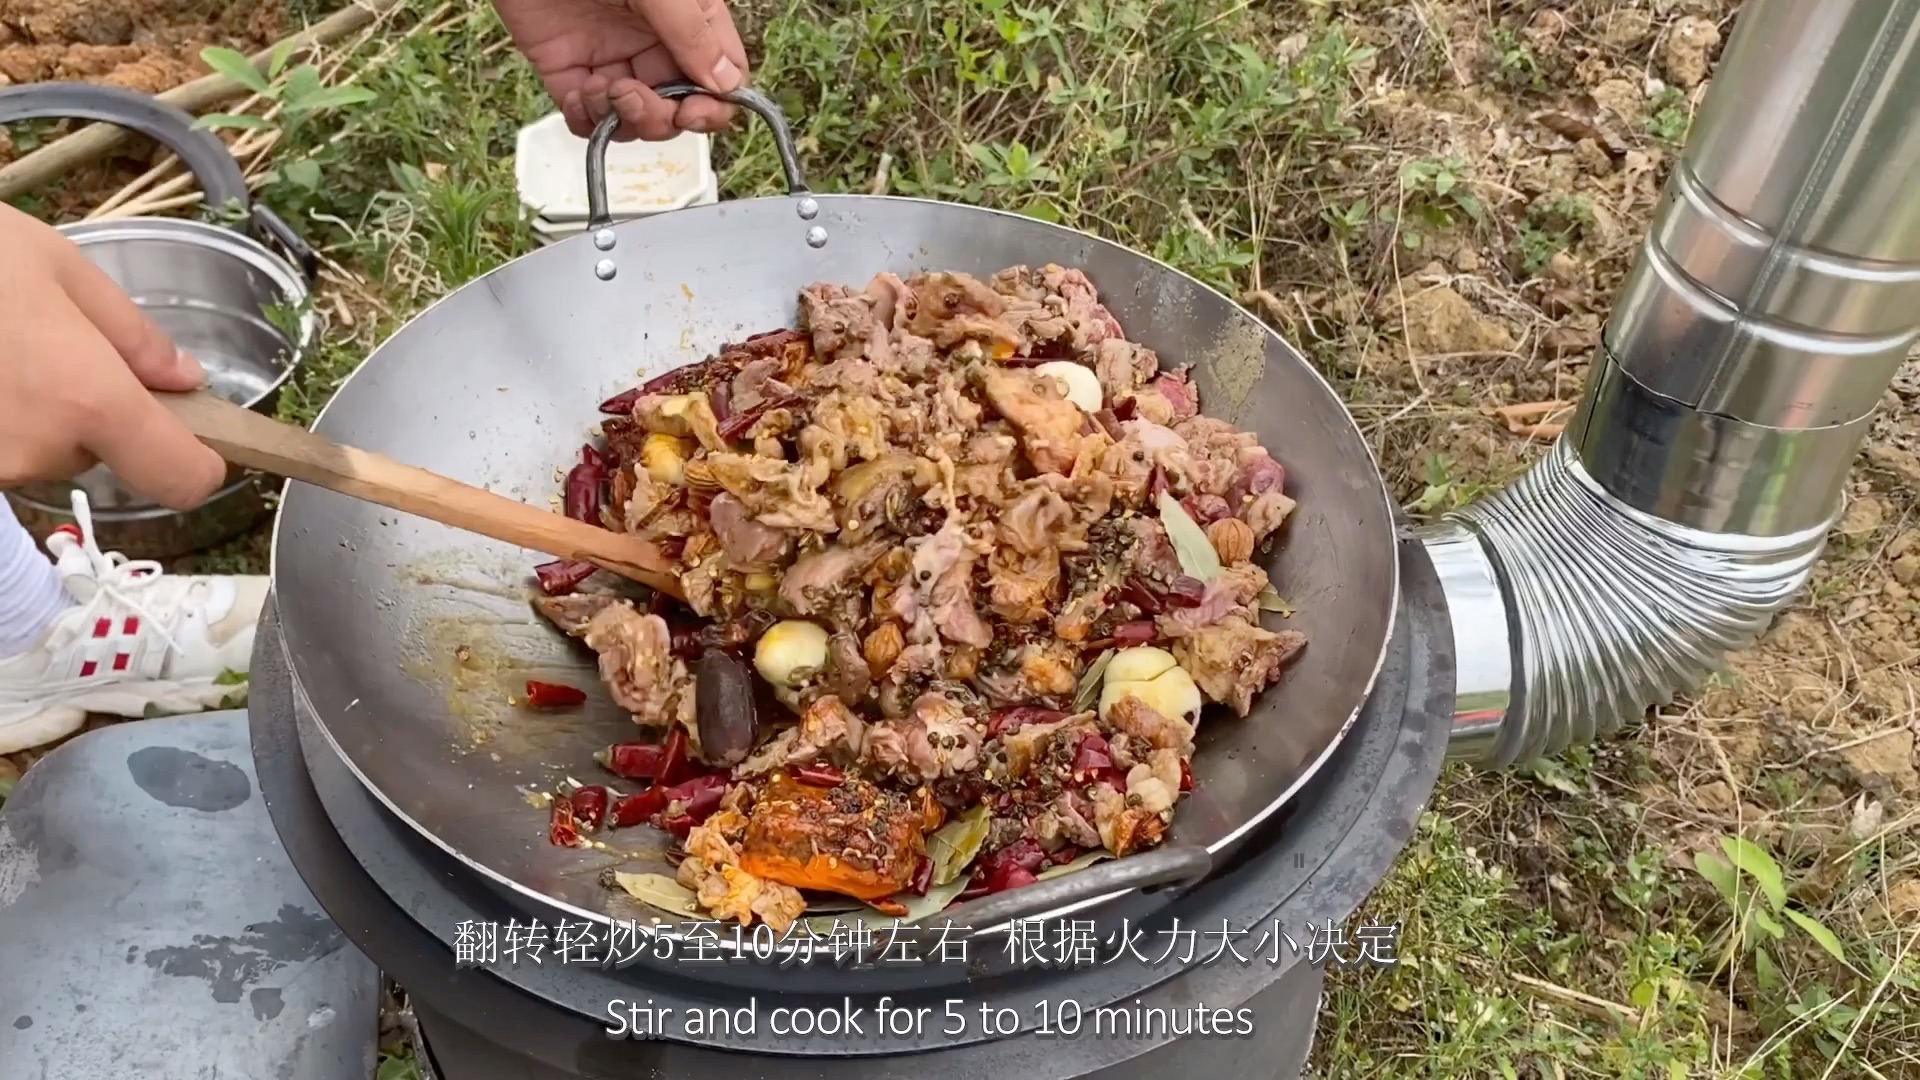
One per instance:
[(546, 695), (562, 831), (633, 761), (631, 810), (590, 807), (562, 576)]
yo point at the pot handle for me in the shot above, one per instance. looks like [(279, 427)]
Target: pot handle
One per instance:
[(204, 155), (599, 216), (1170, 865)]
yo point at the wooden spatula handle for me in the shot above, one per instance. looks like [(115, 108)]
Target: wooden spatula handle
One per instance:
[(253, 441)]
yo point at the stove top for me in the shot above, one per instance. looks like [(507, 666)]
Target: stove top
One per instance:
[(1242, 950)]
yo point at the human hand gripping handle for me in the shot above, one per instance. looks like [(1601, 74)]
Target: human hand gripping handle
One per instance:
[(77, 363), (601, 58)]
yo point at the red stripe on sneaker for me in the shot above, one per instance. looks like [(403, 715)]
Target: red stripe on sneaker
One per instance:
[(120, 661), (88, 669), (102, 627), (131, 626)]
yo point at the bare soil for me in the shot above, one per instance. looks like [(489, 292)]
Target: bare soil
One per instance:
[(146, 45)]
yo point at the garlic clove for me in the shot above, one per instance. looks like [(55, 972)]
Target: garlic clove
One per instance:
[(1078, 383), (791, 652), (1142, 663)]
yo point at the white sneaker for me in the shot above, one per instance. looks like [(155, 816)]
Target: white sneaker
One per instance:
[(137, 642)]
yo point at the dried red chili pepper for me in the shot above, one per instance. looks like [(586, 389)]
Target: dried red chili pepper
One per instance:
[(1186, 776), (632, 761), (590, 806), (742, 422), (819, 775), (1127, 409), (546, 695), (700, 796), (679, 825), (594, 456), (769, 343), (1025, 853), (922, 877), (586, 492), (1010, 877), (562, 576), (561, 829), (1138, 632), (1013, 718), (720, 400), (680, 380), (1065, 855), (1091, 757), (1186, 591), (552, 695), (631, 810), (621, 404), (673, 762), (1137, 593)]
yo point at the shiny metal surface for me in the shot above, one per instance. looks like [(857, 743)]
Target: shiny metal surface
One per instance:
[(407, 638), (1616, 610), (1776, 294), (1706, 471), (218, 294), (155, 532), (1482, 637), (1780, 284), (598, 214)]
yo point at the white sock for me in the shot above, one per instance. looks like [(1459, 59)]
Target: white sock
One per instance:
[(31, 596)]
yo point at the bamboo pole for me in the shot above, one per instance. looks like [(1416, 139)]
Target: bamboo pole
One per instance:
[(95, 140)]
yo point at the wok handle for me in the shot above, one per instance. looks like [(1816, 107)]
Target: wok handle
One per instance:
[(203, 154), (599, 216), (253, 441)]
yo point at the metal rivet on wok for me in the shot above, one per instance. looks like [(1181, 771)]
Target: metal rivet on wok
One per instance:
[(816, 237), (808, 209), (603, 239), (604, 270)]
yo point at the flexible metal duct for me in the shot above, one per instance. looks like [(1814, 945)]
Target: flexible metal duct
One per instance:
[(1776, 295)]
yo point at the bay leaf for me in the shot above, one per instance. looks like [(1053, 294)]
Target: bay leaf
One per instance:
[(938, 899), (661, 891), (1087, 694), (957, 842), (1189, 540), (1270, 600), (1080, 863)]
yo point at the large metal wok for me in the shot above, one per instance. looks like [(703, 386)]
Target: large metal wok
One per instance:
[(407, 638)]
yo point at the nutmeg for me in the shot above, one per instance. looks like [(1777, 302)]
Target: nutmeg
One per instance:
[(1232, 540), (883, 647)]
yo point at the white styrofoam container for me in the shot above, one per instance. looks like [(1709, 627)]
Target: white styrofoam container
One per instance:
[(549, 231), (550, 169)]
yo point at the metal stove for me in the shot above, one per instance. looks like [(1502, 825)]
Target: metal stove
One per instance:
[(410, 907), (161, 906)]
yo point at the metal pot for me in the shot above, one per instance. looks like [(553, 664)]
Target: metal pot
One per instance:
[(495, 384), (223, 294)]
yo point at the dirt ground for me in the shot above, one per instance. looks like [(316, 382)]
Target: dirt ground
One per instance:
[(146, 45)]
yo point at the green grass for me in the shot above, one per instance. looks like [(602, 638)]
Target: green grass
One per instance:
[(1552, 923)]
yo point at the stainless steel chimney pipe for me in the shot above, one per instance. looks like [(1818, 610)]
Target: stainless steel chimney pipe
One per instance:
[(1776, 295)]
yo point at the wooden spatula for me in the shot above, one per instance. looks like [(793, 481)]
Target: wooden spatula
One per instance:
[(252, 441)]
